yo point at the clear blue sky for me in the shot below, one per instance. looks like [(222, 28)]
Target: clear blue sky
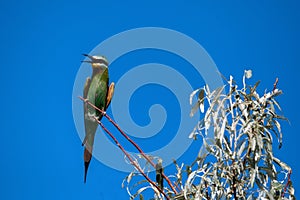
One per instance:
[(41, 45)]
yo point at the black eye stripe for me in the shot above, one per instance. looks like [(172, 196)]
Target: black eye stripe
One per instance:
[(105, 62), (101, 61)]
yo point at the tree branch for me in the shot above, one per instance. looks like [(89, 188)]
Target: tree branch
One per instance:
[(129, 139), (129, 157), (287, 183), (275, 84)]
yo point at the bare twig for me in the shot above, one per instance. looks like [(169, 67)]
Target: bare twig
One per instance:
[(275, 84), (287, 183), (130, 159), (206, 190), (176, 185), (129, 139)]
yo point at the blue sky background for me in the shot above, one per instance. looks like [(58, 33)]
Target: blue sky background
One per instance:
[(41, 45)]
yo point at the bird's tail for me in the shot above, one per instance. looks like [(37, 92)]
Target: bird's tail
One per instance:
[(88, 142), (84, 141), (87, 159)]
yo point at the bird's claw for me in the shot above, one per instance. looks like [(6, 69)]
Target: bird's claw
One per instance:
[(95, 118), (92, 117)]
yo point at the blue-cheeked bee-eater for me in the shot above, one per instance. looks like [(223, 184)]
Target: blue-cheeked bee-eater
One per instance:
[(97, 92)]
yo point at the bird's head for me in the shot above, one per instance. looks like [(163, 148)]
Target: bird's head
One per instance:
[(98, 62)]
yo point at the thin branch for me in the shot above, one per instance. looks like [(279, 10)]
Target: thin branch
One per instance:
[(287, 183), (206, 190), (129, 139), (130, 159), (234, 184), (176, 185), (275, 84)]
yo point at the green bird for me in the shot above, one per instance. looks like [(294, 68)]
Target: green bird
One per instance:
[(97, 92)]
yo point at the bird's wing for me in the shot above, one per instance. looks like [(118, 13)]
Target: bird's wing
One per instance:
[(90, 129), (85, 93), (110, 94), (86, 87), (101, 89)]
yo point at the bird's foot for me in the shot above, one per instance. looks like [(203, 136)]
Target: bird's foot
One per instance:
[(92, 117)]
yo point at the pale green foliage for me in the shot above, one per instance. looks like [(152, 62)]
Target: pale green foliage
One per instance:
[(135, 183), (236, 159)]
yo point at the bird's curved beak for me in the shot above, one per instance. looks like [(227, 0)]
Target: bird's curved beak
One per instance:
[(87, 55), (86, 61)]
